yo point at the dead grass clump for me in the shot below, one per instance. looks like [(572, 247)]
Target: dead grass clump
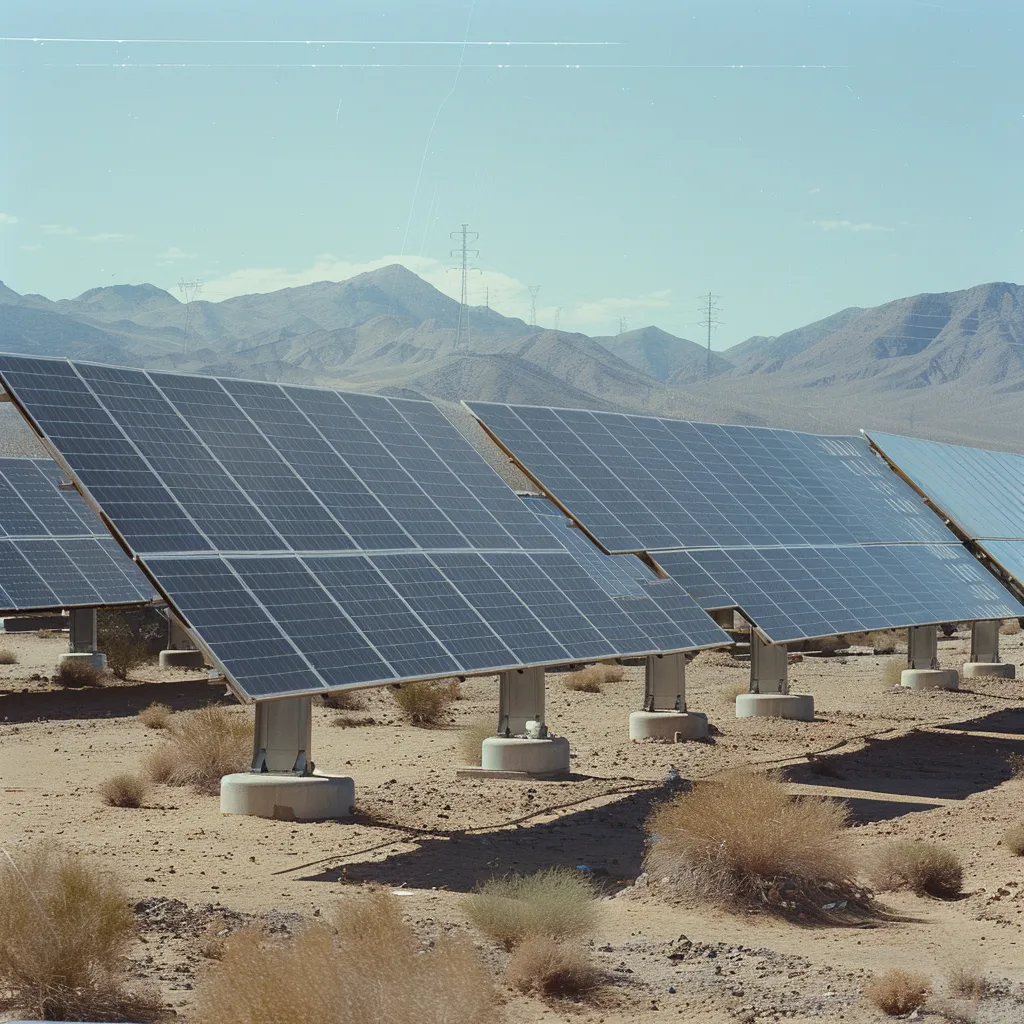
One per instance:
[(64, 931), (1015, 762), (1011, 627), (8, 657), (471, 738), (731, 692), (924, 868), (344, 700), (426, 703), (1013, 840), (75, 674), (556, 903), (156, 716), (124, 790), (202, 746), (717, 658), (369, 967), (892, 671), (967, 982), (742, 840), (592, 678), (547, 967), (897, 991)]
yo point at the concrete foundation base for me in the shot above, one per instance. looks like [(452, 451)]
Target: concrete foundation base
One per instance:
[(533, 757), (288, 797), (672, 726), (94, 658), (1000, 669), (930, 679), (181, 659), (798, 706)]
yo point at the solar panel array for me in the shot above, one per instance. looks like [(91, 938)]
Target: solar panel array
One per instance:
[(54, 551), (313, 539), (980, 491), (808, 535)]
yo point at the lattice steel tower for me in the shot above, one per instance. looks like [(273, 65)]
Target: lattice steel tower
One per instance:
[(465, 236), (709, 319)]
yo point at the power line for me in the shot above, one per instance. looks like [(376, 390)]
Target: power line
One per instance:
[(709, 318), (466, 254), (533, 289)]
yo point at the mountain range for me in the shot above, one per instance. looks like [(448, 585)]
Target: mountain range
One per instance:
[(948, 365)]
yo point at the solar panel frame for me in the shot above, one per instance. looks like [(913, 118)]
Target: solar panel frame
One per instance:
[(808, 535), (256, 584)]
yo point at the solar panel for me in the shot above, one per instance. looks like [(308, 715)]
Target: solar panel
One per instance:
[(809, 535), (314, 539), (54, 550), (981, 492)]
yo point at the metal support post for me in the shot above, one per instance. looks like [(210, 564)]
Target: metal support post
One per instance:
[(82, 638), (665, 682), (769, 666), (985, 641), (923, 647), (521, 703), (283, 736)]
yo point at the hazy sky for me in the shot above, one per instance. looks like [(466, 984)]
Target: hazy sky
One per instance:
[(795, 158)]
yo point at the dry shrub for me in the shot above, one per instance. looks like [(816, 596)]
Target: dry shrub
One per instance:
[(592, 678), (717, 658), (1013, 840), (1015, 762), (156, 716), (897, 991), (472, 736), (8, 657), (885, 641), (202, 746), (124, 790), (548, 967), (344, 700), (734, 690), (64, 930), (126, 637), (892, 671), (967, 982), (556, 903), (924, 868), (827, 645), (426, 703), (349, 721), (75, 674), (368, 968), (742, 840), (1011, 627)]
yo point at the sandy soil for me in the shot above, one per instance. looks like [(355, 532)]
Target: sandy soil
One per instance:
[(910, 765)]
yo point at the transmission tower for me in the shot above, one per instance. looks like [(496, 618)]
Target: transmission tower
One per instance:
[(465, 236), (623, 325), (533, 289), (709, 318), (189, 290), (558, 317)]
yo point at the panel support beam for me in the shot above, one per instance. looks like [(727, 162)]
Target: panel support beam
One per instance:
[(83, 641), (985, 652), (282, 782), (922, 671), (523, 746), (769, 695), (664, 716)]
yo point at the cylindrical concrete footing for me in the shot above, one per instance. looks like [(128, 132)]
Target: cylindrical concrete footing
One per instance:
[(1001, 669), (930, 679), (518, 754), (181, 659), (288, 797), (798, 706), (667, 725), (94, 658)]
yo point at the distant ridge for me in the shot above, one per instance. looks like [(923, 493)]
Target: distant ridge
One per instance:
[(944, 365)]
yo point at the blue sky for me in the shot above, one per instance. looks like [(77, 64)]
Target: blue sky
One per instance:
[(794, 158)]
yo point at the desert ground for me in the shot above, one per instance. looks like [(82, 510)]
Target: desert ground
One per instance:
[(937, 766)]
